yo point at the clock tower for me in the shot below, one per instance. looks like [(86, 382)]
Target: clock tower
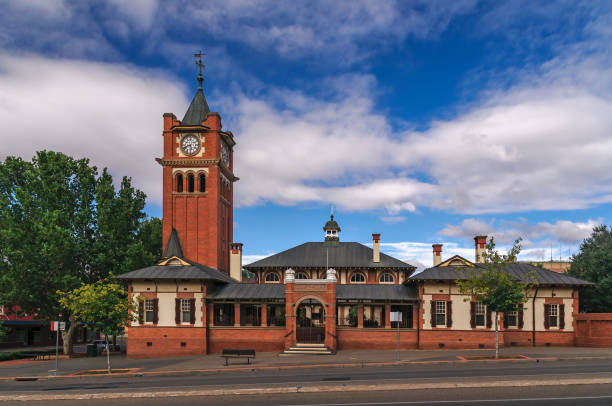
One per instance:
[(198, 179)]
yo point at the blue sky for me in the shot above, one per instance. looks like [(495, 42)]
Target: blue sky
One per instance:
[(425, 121)]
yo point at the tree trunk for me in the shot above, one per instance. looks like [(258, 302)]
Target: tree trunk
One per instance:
[(108, 366), (496, 336), (67, 337)]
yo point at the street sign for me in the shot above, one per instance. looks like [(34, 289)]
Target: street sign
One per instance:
[(396, 316), (58, 325)]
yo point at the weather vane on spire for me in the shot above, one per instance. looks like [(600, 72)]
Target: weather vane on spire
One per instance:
[(200, 65)]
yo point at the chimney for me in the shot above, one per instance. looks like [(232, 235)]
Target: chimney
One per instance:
[(376, 247), (236, 261), (479, 244), (437, 254)]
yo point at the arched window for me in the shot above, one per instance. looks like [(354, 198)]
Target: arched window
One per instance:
[(179, 183), (272, 277), (386, 278), (190, 183), (357, 278), (301, 275), (202, 183)]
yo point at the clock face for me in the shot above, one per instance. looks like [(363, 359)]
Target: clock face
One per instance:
[(190, 144), (224, 153)]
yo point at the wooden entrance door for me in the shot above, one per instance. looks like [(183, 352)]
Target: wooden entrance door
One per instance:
[(310, 322)]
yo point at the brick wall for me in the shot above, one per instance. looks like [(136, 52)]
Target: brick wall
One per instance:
[(165, 341), (262, 339), (594, 330), (374, 338)]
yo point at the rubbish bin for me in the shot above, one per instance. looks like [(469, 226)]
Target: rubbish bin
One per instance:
[(92, 350)]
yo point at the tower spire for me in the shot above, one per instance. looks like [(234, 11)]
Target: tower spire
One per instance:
[(198, 55), (198, 109)]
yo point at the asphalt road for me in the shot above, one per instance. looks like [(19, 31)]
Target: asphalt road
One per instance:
[(458, 372), (588, 395)]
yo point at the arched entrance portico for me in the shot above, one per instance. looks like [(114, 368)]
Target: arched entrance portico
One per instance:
[(310, 322)]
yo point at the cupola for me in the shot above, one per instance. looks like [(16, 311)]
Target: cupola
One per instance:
[(332, 230)]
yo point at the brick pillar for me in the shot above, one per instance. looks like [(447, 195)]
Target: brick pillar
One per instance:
[(236, 315), (264, 315), (330, 316), (387, 316), (290, 321), (360, 315)]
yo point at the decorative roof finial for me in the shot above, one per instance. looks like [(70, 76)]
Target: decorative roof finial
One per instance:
[(200, 66), (332, 212)]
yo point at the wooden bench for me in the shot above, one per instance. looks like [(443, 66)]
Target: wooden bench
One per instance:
[(233, 353)]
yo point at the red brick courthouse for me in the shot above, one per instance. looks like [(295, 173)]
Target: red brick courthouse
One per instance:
[(330, 294)]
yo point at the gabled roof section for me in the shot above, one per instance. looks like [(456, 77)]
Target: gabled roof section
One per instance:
[(457, 260), (175, 266), (525, 273), (198, 109), (321, 255), (170, 270), (173, 247)]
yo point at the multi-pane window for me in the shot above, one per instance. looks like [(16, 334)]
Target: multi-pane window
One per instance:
[(301, 275), (553, 315), (386, 278), (357, 278), (276, 315), (440, 313), (272, 277), (479, 314), (149, 310), (185, 310), (512, 318)]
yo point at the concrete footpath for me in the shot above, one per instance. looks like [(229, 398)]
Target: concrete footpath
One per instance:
[(347, 358)]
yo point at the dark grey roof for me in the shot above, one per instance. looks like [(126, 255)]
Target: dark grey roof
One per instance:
[(523, 272), (191, 271), (173, 247), (197, 111), (248, 291), (376, 292), (341, 255)]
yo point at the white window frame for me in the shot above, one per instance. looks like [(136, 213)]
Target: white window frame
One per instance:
[(383, 275), (185, 310), (149, 307), (354, 280), (513, 314), (274, 275), (480, 310), (440, 311), (553, 314)]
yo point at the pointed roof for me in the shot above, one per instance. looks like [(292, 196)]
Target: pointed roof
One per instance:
[(174, 248), (198, 109)]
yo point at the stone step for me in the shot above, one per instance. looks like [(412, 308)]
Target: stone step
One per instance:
[(296, 352), (304, 345), (310, 349)]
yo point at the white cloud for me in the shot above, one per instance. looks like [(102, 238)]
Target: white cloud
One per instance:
[(111, 114), (559, 232)]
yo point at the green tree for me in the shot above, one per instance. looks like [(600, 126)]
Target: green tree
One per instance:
[(62, 224), (494, 287), (150, 235), (594, 263), (104, 304)]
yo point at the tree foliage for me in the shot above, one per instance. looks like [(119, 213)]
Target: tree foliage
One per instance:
[(63, 224), (594, 263), (494, 287), (104, 305)]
